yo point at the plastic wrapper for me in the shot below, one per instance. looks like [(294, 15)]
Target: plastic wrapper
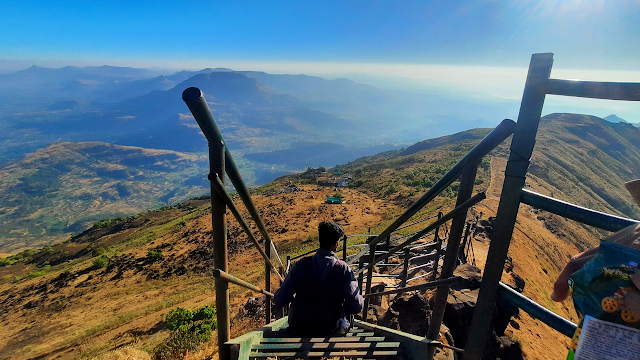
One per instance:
[(603, 289)]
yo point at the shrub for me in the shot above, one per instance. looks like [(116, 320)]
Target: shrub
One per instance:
[(36, 274), (188, 330), (179, 317), (154, 255), (97, 252), (100, 262)]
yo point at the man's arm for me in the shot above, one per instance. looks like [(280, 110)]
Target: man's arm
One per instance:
[(353, 301), (284, 295)]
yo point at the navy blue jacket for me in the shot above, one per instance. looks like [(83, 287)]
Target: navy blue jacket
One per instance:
[(321, 289)]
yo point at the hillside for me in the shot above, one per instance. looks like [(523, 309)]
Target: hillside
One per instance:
[(65, 187), (92, 307)]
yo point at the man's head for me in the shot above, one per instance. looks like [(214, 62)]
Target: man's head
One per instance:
[(329, 233)]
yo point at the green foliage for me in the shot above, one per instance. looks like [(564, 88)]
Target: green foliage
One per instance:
[(189, 329), (97, 252), (101, 262), (179, 317), (337, 195), (154, 255), (35, 274)]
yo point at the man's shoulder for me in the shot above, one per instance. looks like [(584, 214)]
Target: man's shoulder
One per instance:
[(343, 266)]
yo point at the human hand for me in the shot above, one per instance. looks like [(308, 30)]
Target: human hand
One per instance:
[(629, 236)]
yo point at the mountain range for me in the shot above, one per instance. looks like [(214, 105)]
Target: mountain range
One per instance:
[(260, 112)]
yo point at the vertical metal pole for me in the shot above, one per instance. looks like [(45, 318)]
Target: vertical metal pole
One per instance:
[(463, 253), (388, 240), (220, 254), (522, 144), (281, 314), (405, 271), (267, 281), (372, 258), (467, 179), (344, 248), (438, 241), (361, 275)]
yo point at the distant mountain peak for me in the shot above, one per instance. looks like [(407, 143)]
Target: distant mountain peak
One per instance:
[(615, 119)]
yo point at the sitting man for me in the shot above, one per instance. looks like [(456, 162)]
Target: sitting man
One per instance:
[(322, 289)]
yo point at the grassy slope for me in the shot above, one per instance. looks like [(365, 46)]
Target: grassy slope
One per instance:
[(93, 310)]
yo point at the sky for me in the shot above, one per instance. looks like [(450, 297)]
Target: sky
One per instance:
[(481, 46)]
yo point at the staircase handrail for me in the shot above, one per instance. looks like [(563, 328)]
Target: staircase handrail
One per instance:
[(194, 98), (575, 212), (490, 142)]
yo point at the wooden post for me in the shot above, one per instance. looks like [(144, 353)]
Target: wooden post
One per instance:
[(388, 240), (463, 254), (372, 258), (438, 241), (467, 180), (220, 254), (344, 248), (405, 271), (522, 144), (360, 275), (267, 281)]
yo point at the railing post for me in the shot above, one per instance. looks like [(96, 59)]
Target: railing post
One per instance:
[(344, 248), (463, 254), (220, 254), (388, 241), (467, 180), (267, 281), (405, 271), (438, 241), (361, 274), (372, 258), (524, 138)]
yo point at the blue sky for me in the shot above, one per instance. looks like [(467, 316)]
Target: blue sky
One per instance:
[(594, 34), (479, 46)]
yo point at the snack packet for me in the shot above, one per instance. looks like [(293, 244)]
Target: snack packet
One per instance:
[(603, 290)]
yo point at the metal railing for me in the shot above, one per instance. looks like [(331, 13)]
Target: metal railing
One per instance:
[(221, 162)]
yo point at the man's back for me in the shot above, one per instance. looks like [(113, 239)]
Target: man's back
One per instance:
[(325, 290)]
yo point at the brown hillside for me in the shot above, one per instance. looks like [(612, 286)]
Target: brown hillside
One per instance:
[(54, 303)]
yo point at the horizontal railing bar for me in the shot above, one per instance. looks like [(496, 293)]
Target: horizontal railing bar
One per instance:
[(450, 215), (537, 311), (491, 141), (433, 243), (417, 222), (194, 98), (432, 284), (594, 89), (409, 235), (574, 212), (423, 275), (418, 267), (232, 279), (217, 184), (425, 256)]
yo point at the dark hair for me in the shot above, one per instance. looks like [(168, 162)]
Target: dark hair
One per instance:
[(329, 233)]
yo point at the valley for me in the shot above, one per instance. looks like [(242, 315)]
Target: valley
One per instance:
[(96, 308)]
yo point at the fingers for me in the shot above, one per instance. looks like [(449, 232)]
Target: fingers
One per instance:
[(561, 286), (629, 236)]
